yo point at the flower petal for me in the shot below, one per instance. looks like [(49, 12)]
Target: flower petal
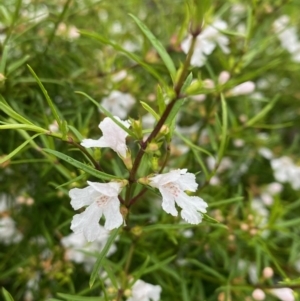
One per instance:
[(80, 197), (87, 222), (188, 182), (191, 205), (168, 202), (113, 216), (110, 189), (92, 143)]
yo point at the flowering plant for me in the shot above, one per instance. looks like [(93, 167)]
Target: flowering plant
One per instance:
[(151, 155)]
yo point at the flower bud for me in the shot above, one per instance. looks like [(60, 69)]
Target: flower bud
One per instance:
[(144, 181), (2, 78), (127, 160), (223, 77), (154, 163), (242, 89), (152, 147), (137, 127), (258, 294), (137, 230), (268, 272)]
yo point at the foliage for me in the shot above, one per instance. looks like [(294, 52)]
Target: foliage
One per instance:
[(60, 63)]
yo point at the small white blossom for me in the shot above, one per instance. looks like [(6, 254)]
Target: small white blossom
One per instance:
[(118, 103), (142, 291), (9, 234), (288, 37), (266, 153), (79, 250), (101, 199), (113, 136), (206, 42), (283, 294), (172, 186), (285, 171)]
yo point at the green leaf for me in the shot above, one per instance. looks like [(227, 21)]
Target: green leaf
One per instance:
[(49, 100), (174, 111), (158, 46), (263, 112), (79, 298), (208, 269), (160, 100), (3, 59), (159, 265), (95, 272), (150, 110), (187, 82), (88, 169), (224, 129), (17, 150), (192, 145), (11, 113), (15, 65), (28, 127), (225, 202), (7, 295), (127, 53), (130, 133), (167, 227)]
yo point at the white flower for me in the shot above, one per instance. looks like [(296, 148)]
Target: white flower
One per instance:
[(142, 291), (172, 186), (265, 152), (118, 103), (288, 37), (206, 42), (8, 232), (101, 199), (286, 171), (113, 136), (283, 294), (3, 203), (79, 250)]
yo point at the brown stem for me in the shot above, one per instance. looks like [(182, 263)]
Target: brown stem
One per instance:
[(133, 200), (177, 88)]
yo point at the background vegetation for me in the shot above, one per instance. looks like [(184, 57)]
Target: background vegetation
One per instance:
[(244, 150)]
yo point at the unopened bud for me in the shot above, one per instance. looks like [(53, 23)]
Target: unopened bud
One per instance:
[(223, 77), (137, 230), (208, 84), (152, 147), (137, 127), (258, 294), (144, 181), (242, 89), (268, 272), (2, 78), (154, 163), (164, 130), (127, 160), (127, 293), (124, 211)]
